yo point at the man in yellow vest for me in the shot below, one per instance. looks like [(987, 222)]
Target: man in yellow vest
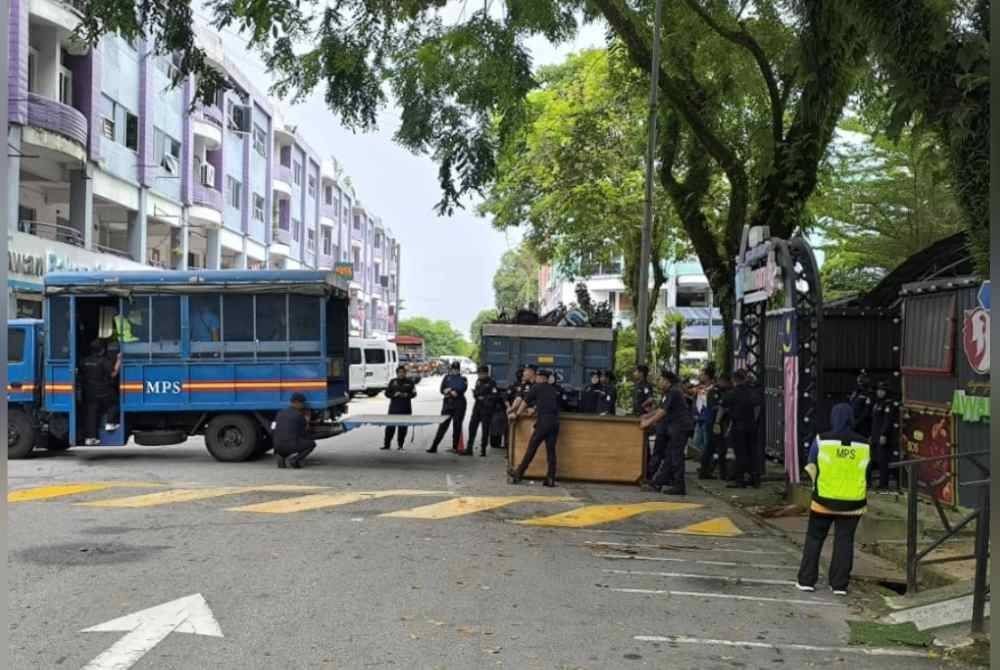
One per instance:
[(123, 326), (838, 465)]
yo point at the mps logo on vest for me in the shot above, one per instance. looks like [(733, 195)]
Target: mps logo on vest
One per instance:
[(847, 452), (163, 387)]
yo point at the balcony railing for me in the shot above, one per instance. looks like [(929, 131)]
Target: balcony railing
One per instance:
[(212, 114), (52, 231), (206, 196), (329, 211), (283, 173), (59, 118), (114, 251)]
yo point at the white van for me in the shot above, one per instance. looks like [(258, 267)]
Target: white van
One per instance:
[(373, 364)]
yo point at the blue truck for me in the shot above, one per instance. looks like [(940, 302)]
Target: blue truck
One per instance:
[(213, 353), (570, 352)]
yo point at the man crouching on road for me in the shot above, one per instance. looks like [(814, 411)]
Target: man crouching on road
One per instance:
[(292, 442), (838, 465)]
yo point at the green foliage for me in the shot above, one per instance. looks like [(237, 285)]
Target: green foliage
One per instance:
[(440, 339), (664, 340), (878, 203), (625, 364), (515, 283), (475, 331)]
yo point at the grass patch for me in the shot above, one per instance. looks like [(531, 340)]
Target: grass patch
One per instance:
[(872, 634)]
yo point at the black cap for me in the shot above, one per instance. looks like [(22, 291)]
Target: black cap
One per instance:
[(883, 384), (297, 397), (483, 368), (532, 366), (400, 367), (545, 373), (455, 365), (670, 376)]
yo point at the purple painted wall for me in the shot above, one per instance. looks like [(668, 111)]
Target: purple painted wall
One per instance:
[(17, 82), (269, 185), (57, 117), (146, 153), (87, 94), (247, 211)]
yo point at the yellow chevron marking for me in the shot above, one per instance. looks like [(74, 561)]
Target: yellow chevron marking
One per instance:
[(720, 526), (323, 500), (62, 490), (468, 505), (189, 495), (593, 515)]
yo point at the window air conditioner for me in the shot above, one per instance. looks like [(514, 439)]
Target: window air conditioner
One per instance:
[(208, 175), (170, 164)]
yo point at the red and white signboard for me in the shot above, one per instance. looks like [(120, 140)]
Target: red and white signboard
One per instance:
[(976, 339)]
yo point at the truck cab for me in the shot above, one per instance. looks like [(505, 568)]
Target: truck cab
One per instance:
[(213, 353), (24, 385)]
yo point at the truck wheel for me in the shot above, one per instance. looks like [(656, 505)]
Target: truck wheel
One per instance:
[(231, 438), (20, 435), (264, 444), (371, 393)]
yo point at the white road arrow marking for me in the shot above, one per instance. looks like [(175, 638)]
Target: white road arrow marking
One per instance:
[(147, 628)]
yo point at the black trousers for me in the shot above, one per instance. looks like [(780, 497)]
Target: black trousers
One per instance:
[(297, 451), (842, 561), (457, 414), (744, 443), (660, 442), (671, 470), (94, 408), (547, 432), (882, 454), (479, 416), (391, 430), (714, 444)]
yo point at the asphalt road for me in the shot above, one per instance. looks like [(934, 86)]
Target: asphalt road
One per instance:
[(375, 559)]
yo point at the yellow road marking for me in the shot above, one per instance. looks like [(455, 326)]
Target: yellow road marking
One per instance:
[(62, 490), (468, 505), (189, 495), (593, 515), (720, 526), (323, 500)]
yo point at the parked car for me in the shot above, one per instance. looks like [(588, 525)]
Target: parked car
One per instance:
[(373, 364)]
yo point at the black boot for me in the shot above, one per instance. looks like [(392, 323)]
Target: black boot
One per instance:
[(281, 462), (385, 448), (549, 482)]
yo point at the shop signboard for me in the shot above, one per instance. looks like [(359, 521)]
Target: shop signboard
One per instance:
[(927, 432)]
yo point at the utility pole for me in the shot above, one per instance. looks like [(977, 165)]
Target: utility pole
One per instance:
[(711, 321), (642, 316)]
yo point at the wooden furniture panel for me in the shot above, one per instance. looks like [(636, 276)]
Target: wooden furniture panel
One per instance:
[(590, 448)]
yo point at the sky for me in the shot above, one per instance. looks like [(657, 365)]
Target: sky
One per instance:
[(447, 263)]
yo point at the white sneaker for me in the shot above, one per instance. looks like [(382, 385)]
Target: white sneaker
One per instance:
[(803, 587), (91, 442), (840, 592), (111, 427)]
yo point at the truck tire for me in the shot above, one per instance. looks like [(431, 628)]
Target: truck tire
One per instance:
[(20, 435), (264, 444), (371, 393), (232, 438), (159, 438)]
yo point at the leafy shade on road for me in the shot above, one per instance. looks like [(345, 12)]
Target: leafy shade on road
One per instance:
[(440, 339)]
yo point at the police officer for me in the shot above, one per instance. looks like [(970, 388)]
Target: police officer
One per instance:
[(97, 374), (453, 388), (885, 428), (838, 464), (642, 391), (543, 398), (591, 393), (713, 444), (861, 404), (527, 381), (485, 396), (292, 442), (675, 413), (401, 391), (742, 405), (608, 399)]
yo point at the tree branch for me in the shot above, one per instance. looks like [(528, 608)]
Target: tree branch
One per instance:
[(744, 39)]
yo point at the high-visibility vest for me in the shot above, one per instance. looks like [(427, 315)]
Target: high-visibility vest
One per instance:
[(124, 329), (842, 474)]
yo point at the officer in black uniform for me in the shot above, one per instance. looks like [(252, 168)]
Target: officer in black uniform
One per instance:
[(453, 388), (714, 445), (860, 401), (742, 406), (400, 392), (885, 429), (486, 396), (97, 374), (543, 398), (642, 391), (675, 413), (292, 441), (608, 400), (591, 393)]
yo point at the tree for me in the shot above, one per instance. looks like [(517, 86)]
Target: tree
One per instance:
[(475, 331), (751, 89), (515, 283), (440, 339), (573, 172), (878, 203)]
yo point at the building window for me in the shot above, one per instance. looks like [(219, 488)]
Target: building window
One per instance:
[(312, 186), (311, 240), (327, 241), (296, 230), (260, 141), (239, 118), (108, 128), (285, 156), (166, 151), (357, 222), (297, 173), (328, 195), (131, 131), (32, 71), (234, 192), (258, 208), (378, 240), (65, 86)]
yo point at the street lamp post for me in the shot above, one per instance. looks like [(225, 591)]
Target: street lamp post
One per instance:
[(647, 223)]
